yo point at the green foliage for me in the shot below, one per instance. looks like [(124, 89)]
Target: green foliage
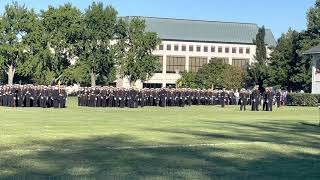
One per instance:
[(313, 18), (215, 74), (135, 46), (282, 58), (302, 99), (288, 68), (257, 71), (77, 74), (43, 46), (188, 80), (234, 77), (16, 24), (62, 28), (211, 74), (261, 51), (95, 49)]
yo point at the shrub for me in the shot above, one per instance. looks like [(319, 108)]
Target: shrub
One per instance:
[(188, 80), (303, 99)]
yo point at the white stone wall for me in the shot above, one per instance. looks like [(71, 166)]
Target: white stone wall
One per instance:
[(315, 77)]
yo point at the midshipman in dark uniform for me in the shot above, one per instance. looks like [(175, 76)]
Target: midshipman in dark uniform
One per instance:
[(243, 100)]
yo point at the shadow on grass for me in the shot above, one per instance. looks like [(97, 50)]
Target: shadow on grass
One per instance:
[(310, 124), (98, 158)]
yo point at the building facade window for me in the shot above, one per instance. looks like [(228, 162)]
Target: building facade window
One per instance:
[(213, 49), (190, 48), (227, 50), (195, 63), (248, 50), (224, 60), (205, 49), (198, 48), (159, 70), (241, 50), (161, 47), (183, 48), (234, 50), (175, 64), (219, 49), (168, 85), (176, 47), (152, 85), (242, 63), (168, 47)]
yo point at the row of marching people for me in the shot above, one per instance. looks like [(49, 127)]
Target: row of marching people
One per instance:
[(163, 97), (33, 96)]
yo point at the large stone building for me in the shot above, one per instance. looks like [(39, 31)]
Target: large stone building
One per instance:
[(189, 44)]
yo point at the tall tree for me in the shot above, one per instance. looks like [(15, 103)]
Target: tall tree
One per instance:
[(135, 46), (62, 29), (15, 26), (96, 51), (283, 61), (313, 18), (257, 71), (37, 64)]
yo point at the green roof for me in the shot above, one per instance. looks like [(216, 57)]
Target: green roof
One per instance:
[(205, 31)]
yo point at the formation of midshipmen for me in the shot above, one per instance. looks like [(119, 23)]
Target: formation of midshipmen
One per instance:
[(54, 96), (121, 97), (168, 97), (32, 96)]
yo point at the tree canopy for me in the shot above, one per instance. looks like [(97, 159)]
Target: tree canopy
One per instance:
[(215, 74), (135, 59), (95, 50), (73, 46), (257, 71), (16, 25)]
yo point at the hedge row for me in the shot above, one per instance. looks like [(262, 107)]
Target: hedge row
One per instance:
[(303, 99)]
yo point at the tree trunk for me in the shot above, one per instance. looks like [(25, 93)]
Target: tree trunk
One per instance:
[(93, 79), (10, 73)]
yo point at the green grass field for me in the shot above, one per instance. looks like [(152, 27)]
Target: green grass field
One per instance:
[(158, 143)]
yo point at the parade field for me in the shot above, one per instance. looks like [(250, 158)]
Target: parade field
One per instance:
[(195, 142)]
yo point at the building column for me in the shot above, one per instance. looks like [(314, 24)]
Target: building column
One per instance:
[(164, 70), (164, 64), (230, 60), (209, 58), (314, 85), (187, 63)]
